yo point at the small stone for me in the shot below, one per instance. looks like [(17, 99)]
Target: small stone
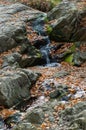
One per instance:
[(61, 74), (51, 119), (36, 116), (55, 94)]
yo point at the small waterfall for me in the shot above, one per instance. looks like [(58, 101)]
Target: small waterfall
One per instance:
[(45, 55), (38, 25), (45, 51)]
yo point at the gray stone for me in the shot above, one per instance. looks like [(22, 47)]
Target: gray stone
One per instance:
[(36, 116), (79, 58), (12, 60), (74, 118), (16, 59), (13, 20), (61, 92), (25, 126), (68, 22), (61, 74), (15, 86), (55, 94)]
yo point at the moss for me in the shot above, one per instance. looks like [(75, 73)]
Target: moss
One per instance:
[(56, 1), (46, 20), (49, 29), (38, 55), (69, 58), (73, 48)]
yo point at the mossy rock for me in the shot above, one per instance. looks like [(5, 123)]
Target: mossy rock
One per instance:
[(69, 59), (48, 29)]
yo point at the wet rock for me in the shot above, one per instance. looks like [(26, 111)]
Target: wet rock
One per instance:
[(12, 28), (15, 86), (68, 22), (2, 125), (38, 25), (41, 42)]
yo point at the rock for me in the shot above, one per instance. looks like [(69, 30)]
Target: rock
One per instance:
[(61, 92), (55, 94), (61, 74), (74, 118), (13, 119), (28, 56), (32, 56), (38, 43), (36, 116), (68, 22), (15, 86), (24, 126), (2, 125), (12, 60), (79, 58), (13, 20)]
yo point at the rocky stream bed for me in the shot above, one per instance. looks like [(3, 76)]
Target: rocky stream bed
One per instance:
[(43, 67)]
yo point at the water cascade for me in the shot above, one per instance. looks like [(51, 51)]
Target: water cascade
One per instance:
[(38, 26), (45, 50)]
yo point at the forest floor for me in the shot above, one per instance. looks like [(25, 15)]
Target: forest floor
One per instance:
[(75, 78)]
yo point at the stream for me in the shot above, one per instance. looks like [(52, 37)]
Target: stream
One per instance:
[(53, 75), (45, 50)]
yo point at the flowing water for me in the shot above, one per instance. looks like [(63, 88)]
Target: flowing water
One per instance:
[(45, 50), (38, 26)]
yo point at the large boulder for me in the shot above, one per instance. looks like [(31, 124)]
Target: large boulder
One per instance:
[(13, 20), (15, 85), (68, 21)]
